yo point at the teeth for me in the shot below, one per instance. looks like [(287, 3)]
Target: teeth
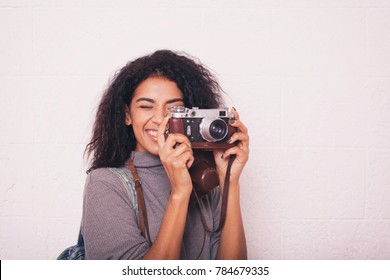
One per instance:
[(152, 132)]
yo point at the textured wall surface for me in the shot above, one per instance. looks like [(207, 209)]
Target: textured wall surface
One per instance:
[(310, 78)]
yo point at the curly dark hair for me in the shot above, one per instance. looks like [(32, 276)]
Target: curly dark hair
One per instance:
[(112, 141)]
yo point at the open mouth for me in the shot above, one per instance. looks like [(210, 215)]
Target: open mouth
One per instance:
[(152, 133)]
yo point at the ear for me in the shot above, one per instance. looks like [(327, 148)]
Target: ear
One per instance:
[(127, 118)]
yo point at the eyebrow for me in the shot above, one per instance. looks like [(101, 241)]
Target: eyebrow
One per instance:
[(152, 101)]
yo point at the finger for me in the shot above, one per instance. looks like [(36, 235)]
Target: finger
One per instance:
[(180, 149), (161, 131), (190, 161), (177, 138), (239, 136), (218, 153), (240, 153), (183, 160), (235, 113), (238, 124)]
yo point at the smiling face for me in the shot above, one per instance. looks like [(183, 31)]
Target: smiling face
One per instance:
[(150, 102)]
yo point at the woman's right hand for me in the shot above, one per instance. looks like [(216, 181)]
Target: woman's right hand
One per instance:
[(176, 156)]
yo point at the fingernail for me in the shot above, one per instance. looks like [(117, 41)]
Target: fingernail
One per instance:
[(234, 109), (229, 141), (232, 121)]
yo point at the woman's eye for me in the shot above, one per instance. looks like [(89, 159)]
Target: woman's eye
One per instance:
[(145, 107)]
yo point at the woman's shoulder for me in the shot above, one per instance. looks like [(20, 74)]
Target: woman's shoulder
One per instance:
[(104, 174), (111, 184), (106, 177)]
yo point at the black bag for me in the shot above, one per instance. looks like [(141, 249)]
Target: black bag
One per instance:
[(75, 252)]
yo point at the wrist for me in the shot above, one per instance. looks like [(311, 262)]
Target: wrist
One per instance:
[(232, 181), (183, 194), (234, 188)]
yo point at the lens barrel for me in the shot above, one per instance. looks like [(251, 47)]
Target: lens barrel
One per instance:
[(213, 129)]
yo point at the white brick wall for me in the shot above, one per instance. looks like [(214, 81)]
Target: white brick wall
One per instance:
[(311, 79)]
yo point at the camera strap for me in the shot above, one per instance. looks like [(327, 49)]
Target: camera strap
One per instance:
[(224, 200)]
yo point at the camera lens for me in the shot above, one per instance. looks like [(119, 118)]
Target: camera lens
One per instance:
[(218, 129), (213, 129)]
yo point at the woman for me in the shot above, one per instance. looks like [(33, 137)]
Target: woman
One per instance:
[(130, 122)]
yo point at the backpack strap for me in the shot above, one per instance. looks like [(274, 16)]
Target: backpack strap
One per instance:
[(129, 185), (142, 214), (134, 190)]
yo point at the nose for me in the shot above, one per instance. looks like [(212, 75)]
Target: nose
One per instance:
[(159, 115)]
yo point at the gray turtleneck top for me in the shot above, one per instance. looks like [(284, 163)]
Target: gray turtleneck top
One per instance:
[(110, 228)]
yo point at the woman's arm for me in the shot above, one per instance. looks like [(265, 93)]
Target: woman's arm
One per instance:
[(176, 160), (233, 242), (169, 238)]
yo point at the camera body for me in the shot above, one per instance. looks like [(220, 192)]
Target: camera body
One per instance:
[(206, 129)]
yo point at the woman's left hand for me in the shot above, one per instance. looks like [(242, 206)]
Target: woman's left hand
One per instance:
[(241, 150)]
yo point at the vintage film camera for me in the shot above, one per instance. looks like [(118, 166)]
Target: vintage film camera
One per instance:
[(206, 129)]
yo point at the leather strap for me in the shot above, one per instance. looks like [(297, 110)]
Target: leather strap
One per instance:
[(225, 193), (142, 214), (224, 200)]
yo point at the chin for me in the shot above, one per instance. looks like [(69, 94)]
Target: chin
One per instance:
[(152, 150)]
